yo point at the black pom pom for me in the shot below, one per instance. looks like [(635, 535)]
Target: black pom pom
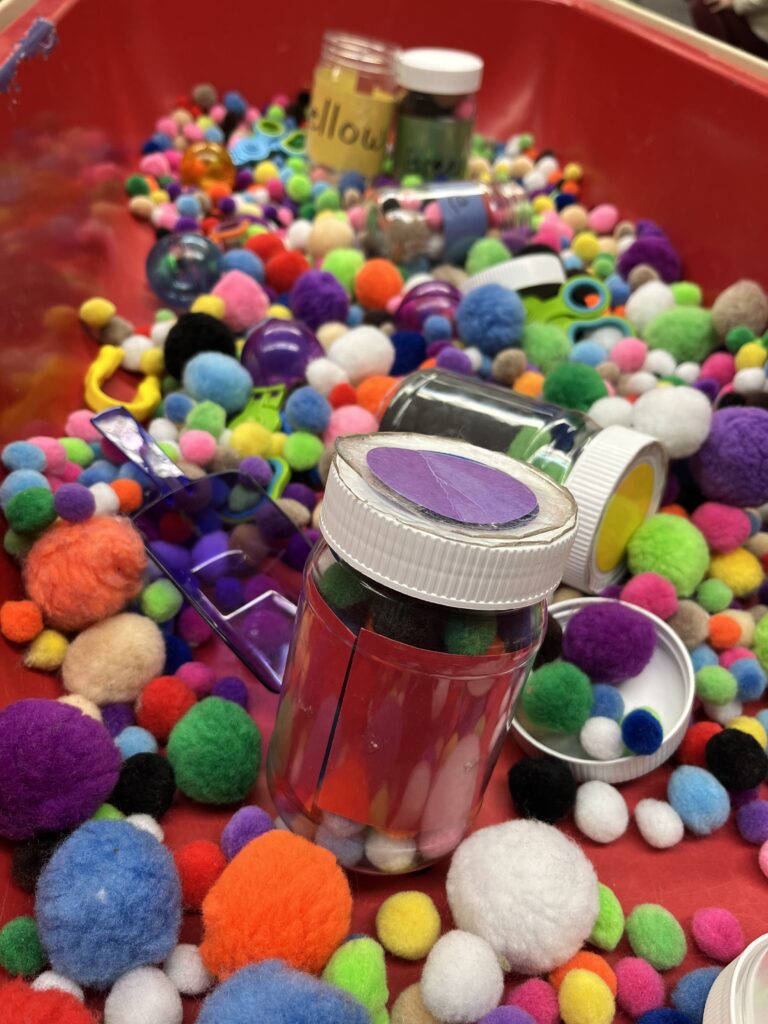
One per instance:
[(417, 625), (552, 646), (542, 788), (736, 759), (377, 317), (194, 333), (29, 858), (146, 786)]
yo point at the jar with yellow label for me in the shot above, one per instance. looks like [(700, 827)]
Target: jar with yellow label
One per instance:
[(353, 101)]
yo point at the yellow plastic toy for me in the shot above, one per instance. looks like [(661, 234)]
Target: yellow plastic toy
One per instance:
[(105, 365)]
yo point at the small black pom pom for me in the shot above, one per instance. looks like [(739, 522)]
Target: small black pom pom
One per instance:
[(542, 788), (29, 858), (552, 646), (194, 333), (417, 625), (736, 759), (146, 786)]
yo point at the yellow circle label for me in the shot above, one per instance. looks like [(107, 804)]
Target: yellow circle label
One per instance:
[(624, 513)]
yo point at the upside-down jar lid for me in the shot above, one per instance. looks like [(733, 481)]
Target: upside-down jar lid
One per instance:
[(446, 522), (439, 72)]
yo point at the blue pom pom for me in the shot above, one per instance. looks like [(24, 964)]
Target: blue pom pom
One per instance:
[(664, 1016), (246, 261), (215, 377), (619, 289), (571, 262), (188, 206), (23, 455), (590, 352), (177, 653), (235, 104), (355, 315), (437, 328), (351, 179), (490, 317), (99, 472), (607, 702), (689, 995), (129, 471), (702, 656), (700, 800), (642, 732), (214, 134), (20, 480), (410, 352), (306, 409), (178, 406), (318, 188), (272, 992), (751, 678), (208, 521), (107, 901), (135, 740), (564, 199)]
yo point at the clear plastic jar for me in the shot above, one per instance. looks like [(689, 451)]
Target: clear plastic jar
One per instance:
[(436, 116), (397, 695), (353, 101), (615, 474)]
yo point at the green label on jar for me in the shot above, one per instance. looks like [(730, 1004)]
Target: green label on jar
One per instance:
[(432, 147)]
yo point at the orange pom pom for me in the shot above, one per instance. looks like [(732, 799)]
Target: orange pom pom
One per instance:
[(585, 961), (529, 383), (80, 573), (200, 865), (129, 494), (280, 898), (674, 510), (20, 621), (376, 282), (374, 394), (428, 364), (162, 703), (724, 632)]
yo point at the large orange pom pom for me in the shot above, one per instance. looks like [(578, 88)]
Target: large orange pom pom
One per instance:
[(80, 573), (281, 898), (376, 282)]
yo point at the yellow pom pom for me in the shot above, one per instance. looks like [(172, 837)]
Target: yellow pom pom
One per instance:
[(326, 334), (265, 171), (750, 355), (408, 925), (542, 204), (280, 312), (278, 445), (739, 569), (47, 650), (251, 439), (96, 313), (159, 196), (204, 121), (586, 246), (210, 304), (585, 998), (573, 172), (88, 708), (752, 727), (152, 362)]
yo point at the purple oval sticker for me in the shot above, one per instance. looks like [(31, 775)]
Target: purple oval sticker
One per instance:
[(454, 487)]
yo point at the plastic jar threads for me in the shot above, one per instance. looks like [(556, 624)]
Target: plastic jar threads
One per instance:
[(615, 474), (353, 100), (436, 116), (423, 608), (740, 992)]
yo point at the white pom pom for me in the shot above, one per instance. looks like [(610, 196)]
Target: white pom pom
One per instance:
[(134, 348), (547, 164), (512, 146), (186, 970), (107, 501), (659, 823), (723, 713), (606, 336), (601, 738), (646, 302), (475, 357), (679, 417), (163, 429), (624, 243), (462, 979), (390, 853), (298, 233), (689, 372), (147, 824), (749, 380), (160, 331), (660, 362), (612, 411), (323, 375), (51, 980), (143, 996), (528, 890), (363, 352), (601, 812), (534, 180), (640, 382), (416, 279)]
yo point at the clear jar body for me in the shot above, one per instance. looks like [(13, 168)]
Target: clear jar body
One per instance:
[(434, 135), (392, 717)]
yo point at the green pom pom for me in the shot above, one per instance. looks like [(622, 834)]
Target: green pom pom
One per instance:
[(760, 642), (716, 685), (215, 752), (307, 211), (575, 386), (208, 416), (137, 185), (78, 451), (672, 547), (670, 378), (655, 935), (15, 545), (162, 315), (169, 384), (344, 263), (169, 448), (241, 498), (328, 200), (737, 337), (340, 586), (609, 926), (107, 813), (484, 253), (714, 596), (545, 345), (358, 967), (412, 180), (302, 451), (161, 601), (684, 331), (469, 634), (603, 265), (20, 950), (526, 140), (686, 293), (30, 510), (558, 696), (380, 1016), (299, 188)]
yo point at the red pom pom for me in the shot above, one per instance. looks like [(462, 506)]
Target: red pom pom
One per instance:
[(691, 750), (265, 246), (199, 865), (21, 1004), (174, 528), (284, 270), (342, 394), (163, 702)]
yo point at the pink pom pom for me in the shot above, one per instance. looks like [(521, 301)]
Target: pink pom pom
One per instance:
[(318, 174), (603, 218), (548, 235), (720, 366), (762, 859), (173, 156), (727, 658), (652, 592), (275, 188), (155, 164), (218, 112), (281, 100), (111, 453), (718, 933), (252, 115), (197, 676), (79, 425), (433, 215), (349, 419), (551, 217), (410, 202), (356, 215), (245, 301), (285, 216), (193, 132), (629, 354), (725, 528), (166, 217), (166, 126), (538, 998), (640, 987), (71, 473), (55, 454), (198, 447), (393, 304), (193, 628)]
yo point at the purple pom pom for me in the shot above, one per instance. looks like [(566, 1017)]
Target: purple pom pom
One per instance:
[(657, 252), (74, 502), (507, 1015), (298, 549), (229, 594), (609, 641), (451, 358), (231, 688), (246, 824), (318, 298), (731, 466), (302, 493), (117, 717), (258, 468), (752, 821), (258, 585)]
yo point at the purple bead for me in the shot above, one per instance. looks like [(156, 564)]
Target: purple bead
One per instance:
[(231, 688), (454, 359), (318, 298), (428, 299), (74, 502), (278, 351), (752, 821), (117, 717), (302, 493), (258, 468), (246, 824)]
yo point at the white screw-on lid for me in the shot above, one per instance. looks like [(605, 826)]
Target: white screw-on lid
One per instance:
[(447, 522), (441, 72), (530, 271)]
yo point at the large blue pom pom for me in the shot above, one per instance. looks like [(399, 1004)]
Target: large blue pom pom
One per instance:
[(491, 318)]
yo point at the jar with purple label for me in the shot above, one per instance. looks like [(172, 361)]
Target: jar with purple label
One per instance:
[(423, 608)]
